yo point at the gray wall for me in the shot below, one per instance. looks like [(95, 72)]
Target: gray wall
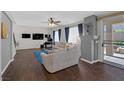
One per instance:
[(6, 47), (86, 47), (89, 48)]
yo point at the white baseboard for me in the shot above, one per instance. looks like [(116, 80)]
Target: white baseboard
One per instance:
[(6, 66), (101, 61), (90, 62)]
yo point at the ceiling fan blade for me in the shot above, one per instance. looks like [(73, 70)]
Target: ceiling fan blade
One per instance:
[(56, 24), (51, 22), (44, 22), (57, 21)]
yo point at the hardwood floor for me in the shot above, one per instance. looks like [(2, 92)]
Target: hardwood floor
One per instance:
[(24, 68)]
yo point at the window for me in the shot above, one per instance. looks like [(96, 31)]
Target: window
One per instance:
[(118, 27), (74, 35), (118, 34), (56, 36)]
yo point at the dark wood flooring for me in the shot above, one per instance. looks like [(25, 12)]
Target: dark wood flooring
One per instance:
[(24, 68)]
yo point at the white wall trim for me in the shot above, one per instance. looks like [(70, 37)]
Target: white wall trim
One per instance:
[(90, 62), (6, 66), (100, 60), (101, 34)]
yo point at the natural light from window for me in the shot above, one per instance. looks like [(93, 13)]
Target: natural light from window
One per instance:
[(56, 36), (73, 35)]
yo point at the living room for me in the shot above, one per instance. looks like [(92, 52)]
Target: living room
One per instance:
[(75, 48), (38, 37)]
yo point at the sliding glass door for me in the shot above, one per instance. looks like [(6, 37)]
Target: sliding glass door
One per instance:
[(114, 40)]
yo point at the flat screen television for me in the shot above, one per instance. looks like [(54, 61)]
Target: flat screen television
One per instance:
[(26, 36), (37, 36)]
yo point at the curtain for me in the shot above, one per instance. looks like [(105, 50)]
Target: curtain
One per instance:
[(66, 33), (53, 35), (59, 32), (80, 29)]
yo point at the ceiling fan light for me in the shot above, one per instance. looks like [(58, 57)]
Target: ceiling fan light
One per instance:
[(51, 24)]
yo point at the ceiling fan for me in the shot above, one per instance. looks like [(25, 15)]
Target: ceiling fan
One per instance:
[(51, 22)]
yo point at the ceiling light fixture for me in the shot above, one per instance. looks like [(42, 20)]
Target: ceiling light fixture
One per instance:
[(51, 22)]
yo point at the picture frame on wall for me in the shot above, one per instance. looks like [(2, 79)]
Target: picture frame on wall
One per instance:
[(4, 31)]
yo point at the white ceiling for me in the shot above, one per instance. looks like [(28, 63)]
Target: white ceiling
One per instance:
[(37, 18)]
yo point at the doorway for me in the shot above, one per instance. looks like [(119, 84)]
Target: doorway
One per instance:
[(113, 40)]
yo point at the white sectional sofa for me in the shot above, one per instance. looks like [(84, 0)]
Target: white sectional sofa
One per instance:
[(61, 58)]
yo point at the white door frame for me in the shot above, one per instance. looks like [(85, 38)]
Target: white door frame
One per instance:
[(100, 28)]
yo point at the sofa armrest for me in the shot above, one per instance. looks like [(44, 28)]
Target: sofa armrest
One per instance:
[(47, 58)]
